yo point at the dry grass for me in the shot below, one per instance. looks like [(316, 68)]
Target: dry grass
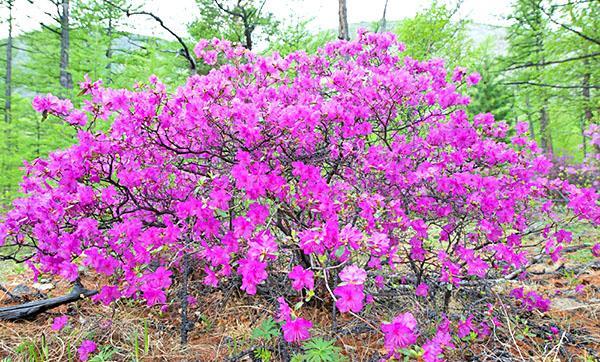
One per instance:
[(224, 321)]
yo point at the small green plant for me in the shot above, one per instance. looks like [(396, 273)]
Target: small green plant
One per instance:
[(146, 338), (263, 354), (321, 350), (267, 330), (32, 352), (106, 354)]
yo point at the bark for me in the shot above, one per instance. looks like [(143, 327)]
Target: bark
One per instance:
[(65, 77), (248, 29), (343, 32), (8, 79), (109, 51), (185, 323), (529, 119), (31, 309), (545, 137), (383, 25), (587, 109)]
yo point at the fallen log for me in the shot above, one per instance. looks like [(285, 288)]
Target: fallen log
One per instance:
[(31, 309)]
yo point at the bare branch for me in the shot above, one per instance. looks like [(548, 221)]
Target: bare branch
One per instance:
[(228, 11), (186, 52), (558, 86), (49, 28), (528, 65), (564, 26)]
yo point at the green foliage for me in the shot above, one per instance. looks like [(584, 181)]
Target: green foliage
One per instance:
[(547, 65), (299, 37), (234, 21), (434, 32), (105, 354), (490, 95), (320, 350), (263, 354), (267, 330), (33, 351)]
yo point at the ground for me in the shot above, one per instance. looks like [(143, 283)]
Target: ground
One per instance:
[(225, 322)]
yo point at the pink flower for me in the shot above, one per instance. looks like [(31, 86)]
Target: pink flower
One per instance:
[(285, 312), (263, 247), (350, 298), (85, 349), (465, 327), (422, 290), (59, 323), (352, 274), (400, 333), (296, 330), (258, 213), (473, 78), (253, 273), (108, 294), (596, 250), (301, 278)]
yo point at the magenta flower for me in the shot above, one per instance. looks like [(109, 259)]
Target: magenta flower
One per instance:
[(296, 330), (422, 290), (400, 333), (473, 78), (59, 323), (253, 273), (85, 349), (350, 298), (353, 274), (107, 294), (301, 278), (465, 326), (596, 250)]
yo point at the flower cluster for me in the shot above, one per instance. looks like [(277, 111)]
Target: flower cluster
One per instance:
[(342, 168)]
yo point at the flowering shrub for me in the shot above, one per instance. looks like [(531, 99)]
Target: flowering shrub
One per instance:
[(351, 170)]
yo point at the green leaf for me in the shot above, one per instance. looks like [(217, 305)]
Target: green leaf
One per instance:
[(267, 330)]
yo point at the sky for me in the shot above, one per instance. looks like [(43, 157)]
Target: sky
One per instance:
[(177, 13)]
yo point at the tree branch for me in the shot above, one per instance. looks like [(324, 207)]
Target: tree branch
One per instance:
[(186, 52), (31, 309), (528, 65), (558, 86), (564, 26), (49, 28)]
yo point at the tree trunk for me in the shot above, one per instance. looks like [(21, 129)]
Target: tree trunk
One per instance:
[(343, 21), (383, 25), (65, 77), (248, 36), (529, 118), (8, 79), (587, 109), (109, 51), (545, 137), (183, 295)]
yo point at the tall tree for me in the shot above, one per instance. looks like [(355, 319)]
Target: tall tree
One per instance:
[(241, 21), (436, 32), (527, 45), (343, 31), (383, 23), (8, 74), (66, 80)]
